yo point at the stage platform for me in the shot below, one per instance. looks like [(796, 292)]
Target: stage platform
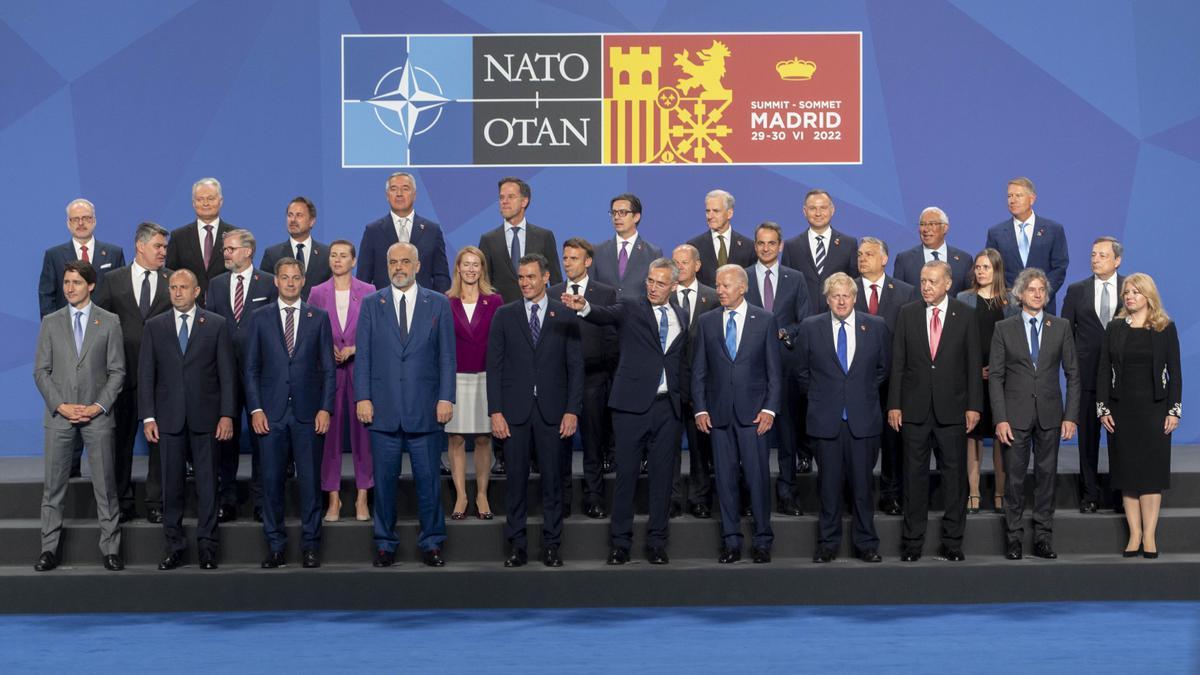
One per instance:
[(1089, 567)]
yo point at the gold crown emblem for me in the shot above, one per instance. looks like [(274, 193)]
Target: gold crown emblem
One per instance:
[(796, 69)]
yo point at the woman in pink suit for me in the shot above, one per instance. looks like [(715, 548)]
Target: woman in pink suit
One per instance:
[(341, 296)]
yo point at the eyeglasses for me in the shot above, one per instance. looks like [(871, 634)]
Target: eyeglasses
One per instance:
[(79, 220), (231, 249), (619, 213), (206, 200), (934, 223)]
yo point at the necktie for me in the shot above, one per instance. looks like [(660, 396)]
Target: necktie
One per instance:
[(1034, 347), (1105, 306), (300, 256), (83, 254), (514, 250), (935, 333), (768, 292), (183, 333), (873, 303), (622, 260), (1024, 243), (79, 333), (843, 350), (402, 317), (731, 335), (687, 303), (289, 330), (936, 255), (208, 245), (819, 260), (239, 300), (663, 328), (144, 300), (403, 236), (722, 252), (575, 289), (535, 326)]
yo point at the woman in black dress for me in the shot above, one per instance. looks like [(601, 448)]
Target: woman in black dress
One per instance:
[(1139, 391), (992, 302)]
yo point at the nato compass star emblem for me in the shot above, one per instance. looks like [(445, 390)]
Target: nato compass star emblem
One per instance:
[(410, 98)]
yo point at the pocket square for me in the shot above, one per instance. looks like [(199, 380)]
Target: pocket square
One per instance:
[(258, 299), (106, 265)]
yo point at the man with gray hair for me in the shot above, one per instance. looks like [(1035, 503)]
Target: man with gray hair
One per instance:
[(197, 245), (403, 224), (83, 246), (720, 245), (932, 228), (1029, 240)]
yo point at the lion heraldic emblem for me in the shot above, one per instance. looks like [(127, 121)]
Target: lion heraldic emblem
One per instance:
[(707, 74)]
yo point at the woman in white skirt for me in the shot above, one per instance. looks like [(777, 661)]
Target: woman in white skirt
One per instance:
[(473, 302)]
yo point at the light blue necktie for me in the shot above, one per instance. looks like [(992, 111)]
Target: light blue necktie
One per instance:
[(1033, 340), (1024, 243), (183, 334), (663, 328), (842, 351), (731, 335), (79, 333)]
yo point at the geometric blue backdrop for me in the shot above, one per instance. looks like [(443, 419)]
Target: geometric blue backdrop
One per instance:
[(128, 103)]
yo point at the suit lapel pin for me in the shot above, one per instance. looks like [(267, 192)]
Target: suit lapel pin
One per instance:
[(863, 327), (103, 252), (96, 322), (421, 226), (1047, 323), (953, 313), (955, 257), (890, 285), (485, 302), (837, 242), (315, 251), (200, 320), (551, 312), (1041, 232), (382, 301), (309, 315)]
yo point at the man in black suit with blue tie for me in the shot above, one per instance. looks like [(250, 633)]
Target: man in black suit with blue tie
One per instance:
[(515, 238), (842, 359), (1029, 240), (186, 398), (312, 255), (535, 395), (737, 378), (403, 224), (623, 260), (932, 228), (104, 258)]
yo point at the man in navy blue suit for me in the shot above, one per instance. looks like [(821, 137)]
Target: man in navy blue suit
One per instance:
[(1028, 240), (289, 374), (187, 378), (81, 223), (782, 291), (622, 261), (720, 245), (404, 381), (842, 359), (932, 228), (301, 246), (820, 250), (402, 224), (535, 394), (737, 378), (653, 338)]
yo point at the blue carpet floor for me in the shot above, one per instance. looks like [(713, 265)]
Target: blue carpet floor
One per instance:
[(1050, 637)]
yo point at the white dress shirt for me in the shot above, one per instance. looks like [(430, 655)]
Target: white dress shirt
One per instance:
[(1041, 324), (673, 330), (244, 275), (739, 321), (941, 307), (812, 241), (91, 245), (307, 249), (541, 309), (728, 235), (1113, 302), (941, 251), (410, 304), (583, 283), (866, 288), (850, 336), (201, 234), (522, 230), (295, 316), (760, 272), (1032, 225), (341, 302), (632, 241), (136, 274), (403, 225), (693, 297)]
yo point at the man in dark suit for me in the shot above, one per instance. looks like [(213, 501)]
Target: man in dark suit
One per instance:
[(883, 296), (78, 369), (599, 359), (312, 255), (515, 238), (820, 250), (720, 245), (1027, 404), (290, 380), (136, 293), (841, 361), (236, 295), (782, 291), (81, 223), (935, 393), (737, 379), (403, 224), (1089, 306), (404, 381), (197, 245), (186, 397), (1027, 240), (535, 395), (693, 299), (623, 260), (932, 228)]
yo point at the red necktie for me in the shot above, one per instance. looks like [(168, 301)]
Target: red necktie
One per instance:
[(935, 333), (83, 255), (873, 303)]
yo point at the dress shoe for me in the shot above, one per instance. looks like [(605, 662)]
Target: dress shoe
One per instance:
[(1042, 549), (113, 563), (127, 515), (46, 562), (1132, 554), (608, 466), (444, 470), (1149, 555), (484, 515), (516, 558), (824, 554), (154, 515), (701, 511), (730, 555), (190, 471), (499, 469), (657, 555), (290, 471), (676, 510), (534, 468), (1088, 506), (761, 555), (550, 557), (273, 560), (171, 560), (618, 556), (788, 507), (643, 470), (951, 554), (972, 504), (595, 511), (208, 560), (747, 511), (258, 514), (76, 472), (433, 558), (910, 555), (804, 465), (227, 513), (891, 506), (1014, 551), (310, 560), (384, 558), (458, 515), (870, 556)]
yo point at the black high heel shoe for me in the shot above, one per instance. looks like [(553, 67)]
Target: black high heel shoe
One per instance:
[(1150, 555), (1132, 554), (973, 499)]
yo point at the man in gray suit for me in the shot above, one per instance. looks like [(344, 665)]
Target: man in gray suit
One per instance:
[(1027, 405), (622, 261), (79, 370)]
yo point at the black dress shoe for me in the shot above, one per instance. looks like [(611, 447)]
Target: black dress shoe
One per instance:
[(951, 554), (433, 558), (676, 510), (608, 466), (870, 556), (290, 471), (618, 556), (1088, 506), (1014, 551), (595, 511), (46, 562), (190, 471), (113, 563), (76, 472), (499, 469), (310, 560), (701, 511), (823, 555), (154, 515), (227, 513), (730, 555), (657, 555), (891, 507), (127, 515), (550, 557), (747, 511), (208, 560), (1042, 549), (643, 470), (910, 555), (171, 560), (761, 555), (804, 465), (788, 507), (516, 558), (444, 470), (258, 514), (384, 558), (274, 560)]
